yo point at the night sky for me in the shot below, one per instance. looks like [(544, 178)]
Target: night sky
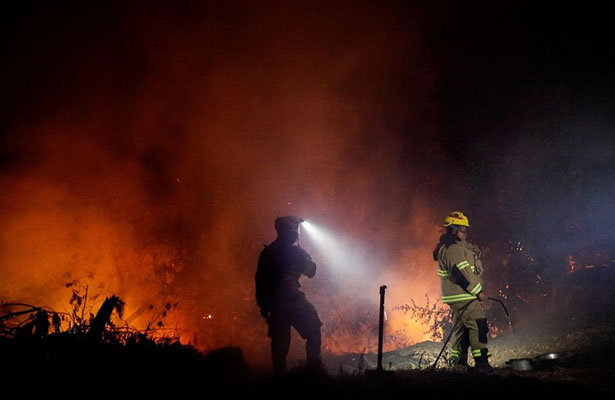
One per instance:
[(208, 120), (527, 103)]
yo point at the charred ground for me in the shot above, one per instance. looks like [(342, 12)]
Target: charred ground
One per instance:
[(36, 350)]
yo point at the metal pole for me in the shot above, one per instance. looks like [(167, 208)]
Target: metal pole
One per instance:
[(381, 327)]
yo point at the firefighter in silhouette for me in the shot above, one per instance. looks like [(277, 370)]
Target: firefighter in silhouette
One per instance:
[(460, 270), (282, 304)]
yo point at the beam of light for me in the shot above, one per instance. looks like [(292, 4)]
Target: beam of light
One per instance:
[(341, 256), (317, 235)]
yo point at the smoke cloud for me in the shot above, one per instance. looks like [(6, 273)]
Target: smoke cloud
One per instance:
[(152, 148)]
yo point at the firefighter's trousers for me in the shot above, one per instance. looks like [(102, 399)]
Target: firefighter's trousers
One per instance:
[(305, 320), (470, 329)]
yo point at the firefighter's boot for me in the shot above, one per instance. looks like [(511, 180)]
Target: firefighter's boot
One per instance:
[(459, 361), (482, 362), (314, 365)]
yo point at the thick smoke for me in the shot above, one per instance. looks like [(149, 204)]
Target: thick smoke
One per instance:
[(154, 147)]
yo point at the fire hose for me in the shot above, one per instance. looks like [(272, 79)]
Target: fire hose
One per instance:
[(433, 367), (505, 312)]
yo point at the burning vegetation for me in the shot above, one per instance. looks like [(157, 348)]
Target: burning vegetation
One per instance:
[(161, 187)]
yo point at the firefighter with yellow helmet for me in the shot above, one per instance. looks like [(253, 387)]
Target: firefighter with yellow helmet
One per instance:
[(460, 270)]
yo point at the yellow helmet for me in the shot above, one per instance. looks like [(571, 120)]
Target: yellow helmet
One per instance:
[(456, 218)]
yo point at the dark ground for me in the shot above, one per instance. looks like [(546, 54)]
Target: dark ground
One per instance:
[(137, 365), (50, 364)]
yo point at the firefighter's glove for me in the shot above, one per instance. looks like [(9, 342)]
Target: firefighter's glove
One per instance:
[(484, 301), (477, 253)]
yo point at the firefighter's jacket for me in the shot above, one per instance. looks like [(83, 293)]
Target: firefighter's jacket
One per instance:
[(277, 276), (460, 270)]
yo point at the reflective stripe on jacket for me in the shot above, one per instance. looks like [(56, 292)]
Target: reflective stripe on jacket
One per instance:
[(459, 276)]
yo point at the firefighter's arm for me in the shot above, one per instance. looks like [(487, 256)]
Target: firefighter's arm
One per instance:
[(477, 255), (302, 260), (262, 294), (258, 278), (461, 270)]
